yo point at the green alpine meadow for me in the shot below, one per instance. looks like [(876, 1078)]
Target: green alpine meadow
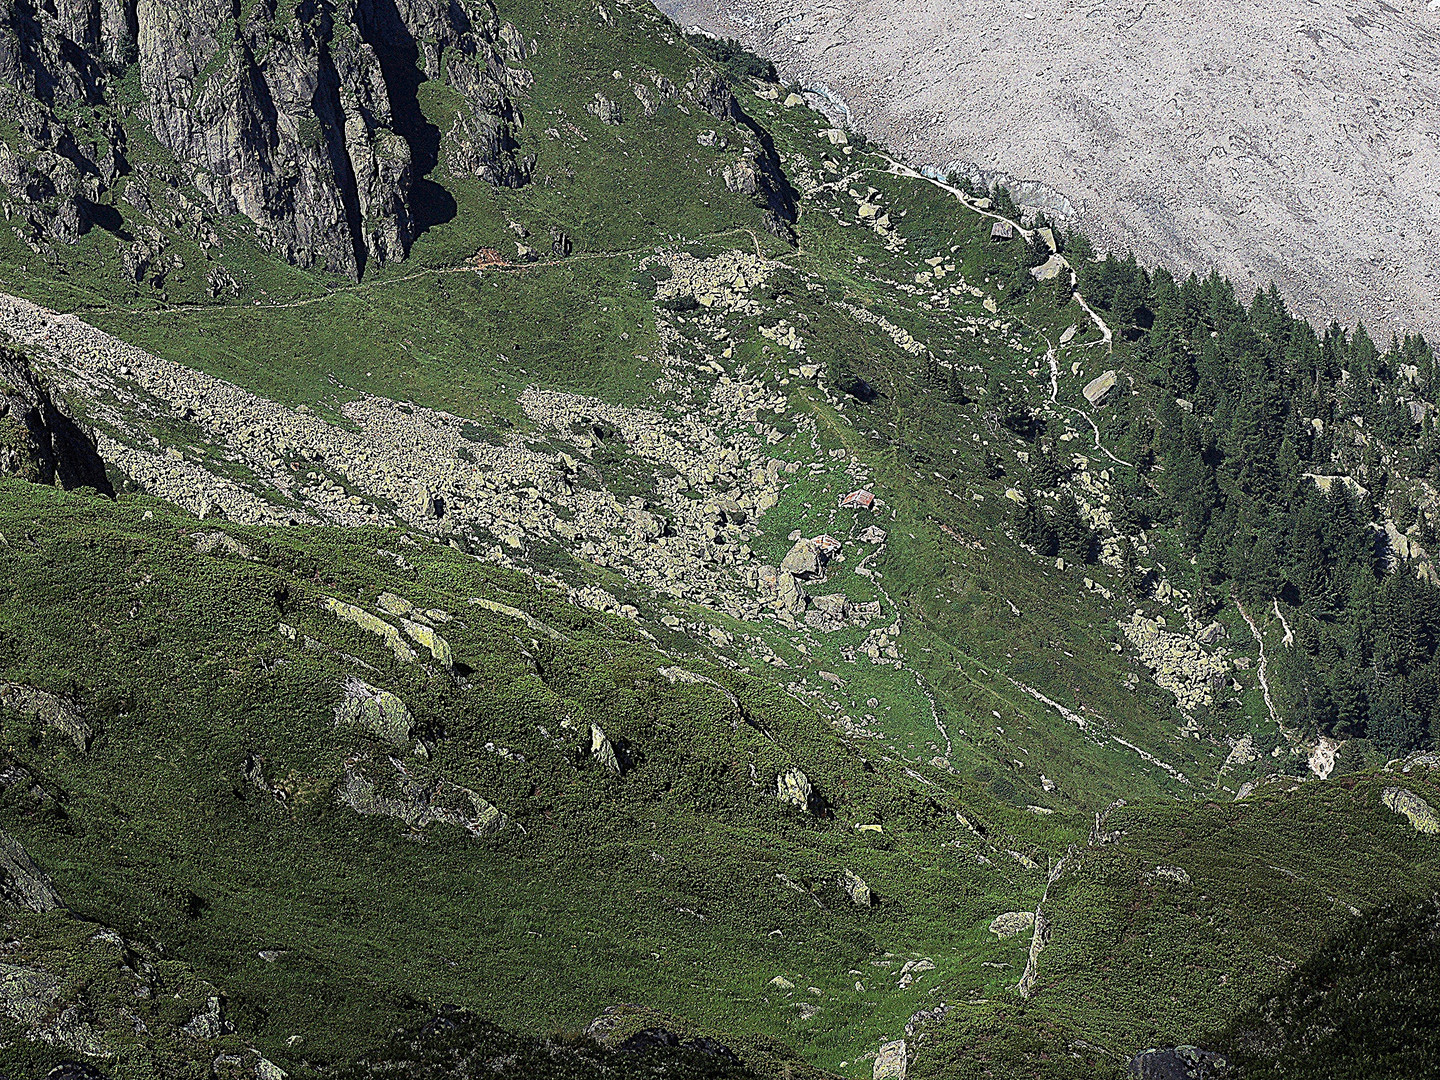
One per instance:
[(530, 547)]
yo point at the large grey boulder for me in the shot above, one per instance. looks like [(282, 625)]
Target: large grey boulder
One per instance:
[(793, 788), (24, 885), (1098, 388), (803, 560), (855, 887), (376, 712)]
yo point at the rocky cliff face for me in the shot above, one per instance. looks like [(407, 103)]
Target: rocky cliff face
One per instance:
[(303, 118), (39, 440)]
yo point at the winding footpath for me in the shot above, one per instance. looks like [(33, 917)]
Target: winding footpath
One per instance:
[(415, 275), (968, 201)]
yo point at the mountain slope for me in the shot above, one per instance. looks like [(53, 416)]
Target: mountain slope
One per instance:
[(717, 578), (1267, 143)]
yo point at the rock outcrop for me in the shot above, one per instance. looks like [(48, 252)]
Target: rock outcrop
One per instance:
[(376, 712), (855, 887), (392, 790), (793, 788), (758, 173), (54, 710), (1420, 813), (39, 440), (1178, 1063), (890, 1062), (1009, 923), (306, 122), (22, 884)]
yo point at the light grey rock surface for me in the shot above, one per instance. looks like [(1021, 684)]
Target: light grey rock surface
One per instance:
[(1293, 142), (309, 127)]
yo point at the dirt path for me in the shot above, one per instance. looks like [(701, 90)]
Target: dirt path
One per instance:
[(1107, 338), (898, 169), (429, 271), (1289, 638), (1051, 359)]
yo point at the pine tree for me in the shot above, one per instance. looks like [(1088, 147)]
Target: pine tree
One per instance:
[(1076, 537)]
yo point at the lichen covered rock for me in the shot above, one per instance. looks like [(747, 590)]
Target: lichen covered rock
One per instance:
[(376, 712), (22, 884), (1421, 814), (855, 888), (793, 788), (1009, 923)]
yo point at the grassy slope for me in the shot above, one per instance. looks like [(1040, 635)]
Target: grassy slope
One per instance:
[(601, 898)]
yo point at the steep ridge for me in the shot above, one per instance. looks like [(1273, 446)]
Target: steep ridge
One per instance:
[(302, 119)]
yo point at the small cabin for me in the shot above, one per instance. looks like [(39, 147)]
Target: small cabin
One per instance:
[(858, 500), (827, 545), (1002, 231)]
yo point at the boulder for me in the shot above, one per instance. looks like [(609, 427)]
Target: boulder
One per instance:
[(803, 560), (1421, 814), (376, 712), (890, 1061), (1050, 269), (22, 884), (1174, 874), (1098, 388), (1009, 923), (789, 595), (602, 751), (828, 612), (855, 888), (1212, 634), (793, 788), (604, 110), (209, 1024)]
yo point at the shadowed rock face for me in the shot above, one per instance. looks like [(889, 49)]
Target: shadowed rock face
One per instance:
[(305, 120), (39, 441), (1270, 142)]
